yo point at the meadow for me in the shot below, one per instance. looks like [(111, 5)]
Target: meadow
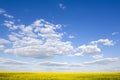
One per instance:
[(59, 75)]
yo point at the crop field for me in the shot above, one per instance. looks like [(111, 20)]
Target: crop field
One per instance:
[(59, 75)]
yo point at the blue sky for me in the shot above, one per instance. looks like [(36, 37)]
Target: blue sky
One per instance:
[(59, 35)]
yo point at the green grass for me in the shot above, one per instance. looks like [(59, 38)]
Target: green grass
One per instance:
[(59, 75)]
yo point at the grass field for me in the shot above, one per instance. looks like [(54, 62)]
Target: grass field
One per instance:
[(59, 76)]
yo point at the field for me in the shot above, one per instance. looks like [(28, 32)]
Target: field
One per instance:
[(59, 75)]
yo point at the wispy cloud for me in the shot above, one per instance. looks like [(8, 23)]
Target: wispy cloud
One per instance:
[(4, 41), (115, 33), (114, 69), (53, 63), (100, 56), (11, 61), (62, 6), (4, 13), (7, 15), (10, 24), (71, 37), (101, 61), (1, 47), (61, 64)]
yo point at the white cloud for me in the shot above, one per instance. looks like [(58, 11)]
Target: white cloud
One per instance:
[(115, 33), (11, 61), (42, 51), (12, 37), (60, 64), (38, 40), (1, 47), (53, 63), (26, 31), (100, 56), (103, 61), (2, 11), (38, 23), (93, 47), (106, 42), (76, 65), (78, 54), (42, 39), (10, 25), (71, 37), (62, 6), (87, 49), (7, 15), (114, 69), (4, 41)]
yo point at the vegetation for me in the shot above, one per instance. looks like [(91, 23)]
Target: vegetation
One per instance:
[(59, 76)]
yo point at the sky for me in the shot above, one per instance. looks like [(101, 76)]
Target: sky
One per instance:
[(60, 35)]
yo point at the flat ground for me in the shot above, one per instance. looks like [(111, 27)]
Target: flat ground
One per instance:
[(59, 75)]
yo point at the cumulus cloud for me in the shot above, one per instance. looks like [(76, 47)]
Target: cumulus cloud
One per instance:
[(87, 49), (105, 42), (92, 47), (11, 61), (62, 6), (102, 61), (38, 40), (42, 39)]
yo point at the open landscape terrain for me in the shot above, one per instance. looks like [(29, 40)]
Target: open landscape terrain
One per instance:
[(59, 39), (59, 76)]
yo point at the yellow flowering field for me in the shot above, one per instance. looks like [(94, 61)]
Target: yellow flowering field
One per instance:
[(59, 75)]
